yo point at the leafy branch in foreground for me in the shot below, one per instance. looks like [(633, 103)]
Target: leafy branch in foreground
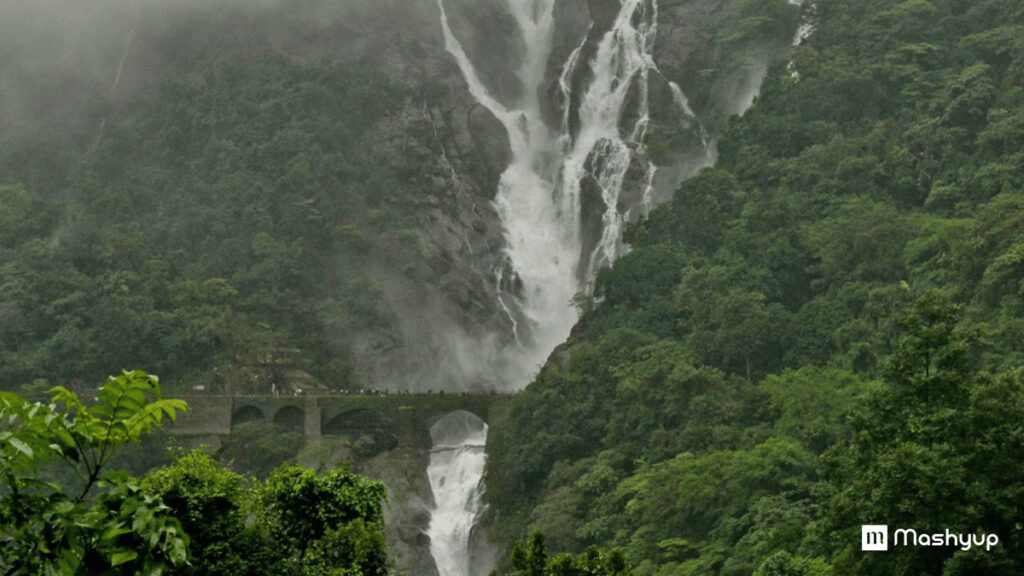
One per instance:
[(44, 530)]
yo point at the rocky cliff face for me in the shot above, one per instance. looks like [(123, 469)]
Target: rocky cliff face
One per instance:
[(441, 321), (449, 153), (706, 68), (715, 70), (453, 151)]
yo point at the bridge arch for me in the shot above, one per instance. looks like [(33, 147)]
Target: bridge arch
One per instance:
[(247, 413), (458, 428), (478, 412), (290, 417), (367, 428), (353, 422)]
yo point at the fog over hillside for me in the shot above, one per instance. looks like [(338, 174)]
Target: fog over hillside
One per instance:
[(74, 76)]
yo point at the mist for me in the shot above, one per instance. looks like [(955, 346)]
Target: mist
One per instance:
[(59, 58), (478, 299)]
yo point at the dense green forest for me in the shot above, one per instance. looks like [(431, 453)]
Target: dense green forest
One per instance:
[(824, 330), (231, 213)]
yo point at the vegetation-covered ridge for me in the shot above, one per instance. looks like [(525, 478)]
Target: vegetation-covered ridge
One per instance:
[(305, 180), (824, 330), (228, 216)]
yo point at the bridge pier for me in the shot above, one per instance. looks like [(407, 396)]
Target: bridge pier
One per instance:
[(312, 420), (407, 427)]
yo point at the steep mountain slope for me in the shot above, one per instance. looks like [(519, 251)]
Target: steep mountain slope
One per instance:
[(277, 195), (290, 183), (811, 335)]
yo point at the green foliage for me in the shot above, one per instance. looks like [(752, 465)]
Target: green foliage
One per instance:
[(811, 335), (812, 404), (750, 383), (246, 203), (784, 564), (297, 523), (258, 448), (122, 530), (329, 525), (931, 451), (744, 33), (531, 558), (687, 514), (211, 503), (22, 217)]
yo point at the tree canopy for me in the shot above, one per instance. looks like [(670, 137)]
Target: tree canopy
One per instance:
[(64, 512), (812, 334)]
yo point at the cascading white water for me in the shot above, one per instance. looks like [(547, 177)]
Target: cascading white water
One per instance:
[(806, 26), (683, 103), (539, 202), (539, 194), (455, 472), (603, 149), (540, 233)]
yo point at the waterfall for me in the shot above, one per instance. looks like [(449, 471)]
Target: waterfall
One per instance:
[(117, 81), (540, 197), (455, 472), (554, 174), (806, 24), (683, 103), (604, 149)]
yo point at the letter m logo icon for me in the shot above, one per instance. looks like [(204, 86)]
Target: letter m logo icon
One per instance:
[(874, 537)]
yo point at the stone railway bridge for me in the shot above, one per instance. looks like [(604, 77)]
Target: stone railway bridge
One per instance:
[(401, 420)]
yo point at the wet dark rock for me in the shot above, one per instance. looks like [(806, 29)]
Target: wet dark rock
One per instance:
[(632, 106), (490, 142), (492, 41), (592, 209), (634, 185), (572, 20)]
